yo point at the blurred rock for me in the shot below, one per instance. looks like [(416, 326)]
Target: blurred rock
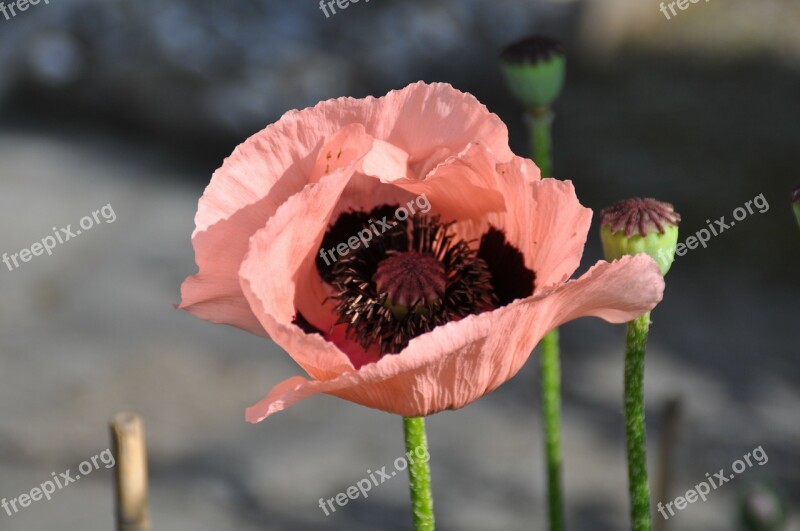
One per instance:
[(730, 29)]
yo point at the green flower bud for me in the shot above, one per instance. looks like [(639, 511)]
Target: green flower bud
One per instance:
[(796, 203), (636, 226), (534, 69)]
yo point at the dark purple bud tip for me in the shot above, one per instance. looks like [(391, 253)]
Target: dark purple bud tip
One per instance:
[(532, 50), (639, 215)]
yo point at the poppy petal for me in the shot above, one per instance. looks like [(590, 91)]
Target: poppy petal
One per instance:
[(461, 361)]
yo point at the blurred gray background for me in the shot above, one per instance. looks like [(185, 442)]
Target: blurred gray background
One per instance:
[(136, 103)]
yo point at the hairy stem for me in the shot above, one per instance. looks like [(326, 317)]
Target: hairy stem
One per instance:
[(635, 433), (551, 404), (419, 473)]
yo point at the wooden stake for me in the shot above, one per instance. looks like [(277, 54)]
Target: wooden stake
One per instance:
[(130, 452), (669, 439)]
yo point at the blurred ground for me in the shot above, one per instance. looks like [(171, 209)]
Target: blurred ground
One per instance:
[(90, 330)]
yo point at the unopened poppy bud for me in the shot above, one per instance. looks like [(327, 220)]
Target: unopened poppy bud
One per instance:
[(534, 69), (638, 225)]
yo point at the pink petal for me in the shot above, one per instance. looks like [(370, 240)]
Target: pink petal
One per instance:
[(458, 363), (543, 219), (279, 255), (615, 292), (462, 187), (213, 293), (552, 231), (433, 122), (352, 142)]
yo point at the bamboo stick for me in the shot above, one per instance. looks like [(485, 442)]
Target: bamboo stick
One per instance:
[(130, 452)]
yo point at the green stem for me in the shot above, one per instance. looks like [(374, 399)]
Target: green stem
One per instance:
[(635, 433), (540, 122), (797, 212), (551, 404), (419, 473)]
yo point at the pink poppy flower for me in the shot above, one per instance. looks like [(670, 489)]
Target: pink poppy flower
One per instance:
[(399, 251)]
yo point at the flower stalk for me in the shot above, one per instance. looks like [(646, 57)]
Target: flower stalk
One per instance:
[(629, 227), (551, 406), (635, 432), (419, 474), (540, 121), (534, 69)]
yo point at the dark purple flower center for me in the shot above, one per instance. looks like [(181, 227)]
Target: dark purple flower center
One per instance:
[(410, 279), (414, 276)]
